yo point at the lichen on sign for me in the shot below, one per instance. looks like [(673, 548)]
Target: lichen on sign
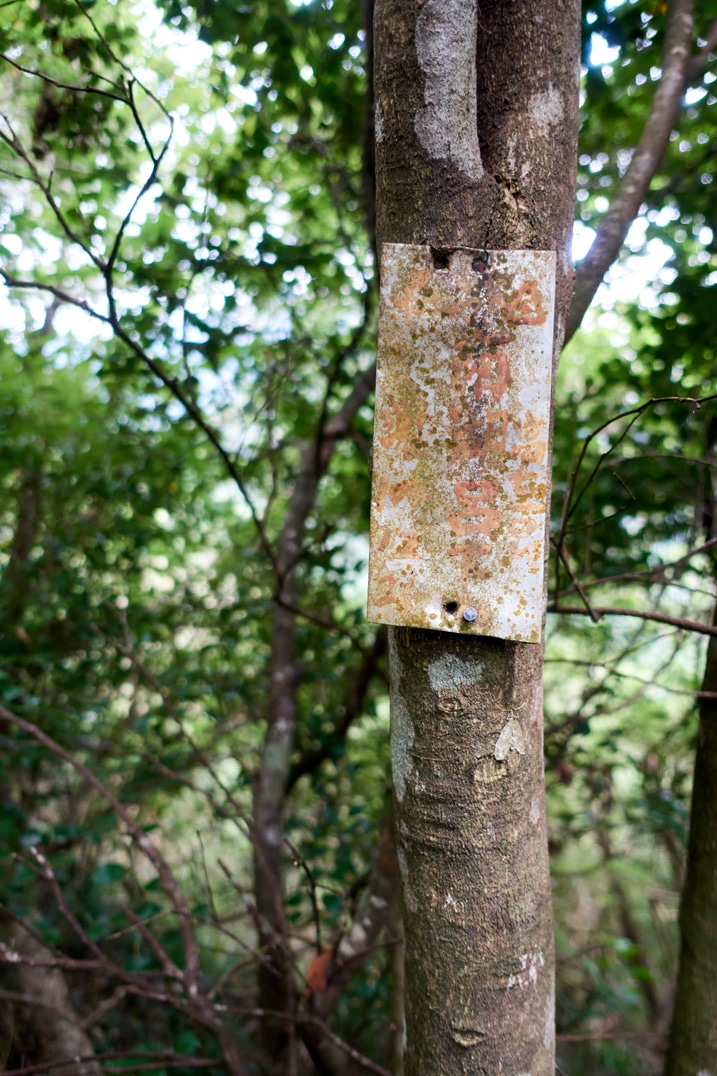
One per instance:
[(460, 455)]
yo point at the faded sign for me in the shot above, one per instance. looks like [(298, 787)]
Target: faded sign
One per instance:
[(461, 440)]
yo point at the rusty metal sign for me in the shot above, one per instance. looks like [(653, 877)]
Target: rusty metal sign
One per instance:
[(459, 498)]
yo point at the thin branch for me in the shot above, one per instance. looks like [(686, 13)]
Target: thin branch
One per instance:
[(169, 382), (646, 159), (8, 955), (307, 1018), (569, 505), (156, 160), (167, 965), (198, 418), (168, 1057), (649, 575), (592, 691), (356, 1057), (698, 64), (59, 293), (562, 552), (63, 85), (45, 186), (167, 880), (659, 618), (299, 861), (118, 60), (107, 1005)]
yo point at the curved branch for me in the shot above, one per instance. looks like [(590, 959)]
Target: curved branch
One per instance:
[(645, 161)]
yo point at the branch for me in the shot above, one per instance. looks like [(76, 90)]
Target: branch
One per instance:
[(660, 618), (169, 382), (168, 882), (62, 85), (175, 1060), (14, 143), (262, 1013), (565, 558), (649, 575), (646, 159), (698, 64), (356, 694), (350, 950), (570, 506)]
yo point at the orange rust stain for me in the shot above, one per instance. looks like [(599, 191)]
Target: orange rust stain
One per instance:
[(526, 308)]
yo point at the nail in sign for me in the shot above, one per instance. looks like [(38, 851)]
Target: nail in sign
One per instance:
[(459, 498)]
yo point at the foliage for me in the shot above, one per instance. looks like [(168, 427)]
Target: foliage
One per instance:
[(188, 249)]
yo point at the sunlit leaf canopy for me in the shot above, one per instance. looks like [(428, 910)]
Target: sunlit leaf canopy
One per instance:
[(189, 184)]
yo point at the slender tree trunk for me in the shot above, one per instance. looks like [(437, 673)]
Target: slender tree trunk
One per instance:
[(692, 1049), (50, 1022), (476, 138), (276, 975)]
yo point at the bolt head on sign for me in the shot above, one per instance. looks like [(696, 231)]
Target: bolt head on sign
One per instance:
[(460, 457)]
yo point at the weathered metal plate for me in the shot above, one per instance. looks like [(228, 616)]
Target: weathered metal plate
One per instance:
[(461, 441)]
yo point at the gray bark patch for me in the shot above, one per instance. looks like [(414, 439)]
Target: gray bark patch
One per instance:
[(449, 673), (402, 731), (546, 109), (446, 126), (378, 123), (510, 739)]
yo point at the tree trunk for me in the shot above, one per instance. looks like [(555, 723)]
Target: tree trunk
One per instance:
[(692, 1046), (49, 1021), (476, 131)]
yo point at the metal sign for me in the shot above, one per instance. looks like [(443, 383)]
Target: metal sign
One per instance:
[(459, 498)]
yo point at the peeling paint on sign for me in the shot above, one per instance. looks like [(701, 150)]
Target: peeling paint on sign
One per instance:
[(461, 441)]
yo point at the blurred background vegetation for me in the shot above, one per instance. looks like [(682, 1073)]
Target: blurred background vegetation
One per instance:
[(190, 298)]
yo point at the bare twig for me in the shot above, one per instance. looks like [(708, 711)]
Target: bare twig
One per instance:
[(571, 501), (14, 143), (659, 618), (301, 862), (562, 552), (114, 96), (168, 1058), (656, 574), (698, 64), (168, 882)]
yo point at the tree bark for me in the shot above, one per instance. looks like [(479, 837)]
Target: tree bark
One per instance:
[(476, 137), (692, 1045), (49, 1018)]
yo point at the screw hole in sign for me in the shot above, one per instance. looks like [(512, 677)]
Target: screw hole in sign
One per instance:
[(441, 258), (451, 608)]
